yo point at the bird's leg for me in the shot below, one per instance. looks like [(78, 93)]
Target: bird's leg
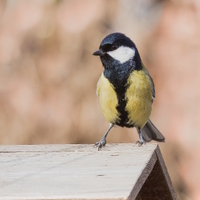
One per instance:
[(102, 142), (141, 141)]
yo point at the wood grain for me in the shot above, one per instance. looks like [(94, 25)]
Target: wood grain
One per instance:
[(75, 171)]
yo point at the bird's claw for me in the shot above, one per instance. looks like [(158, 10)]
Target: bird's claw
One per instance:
[(101, 143), (140, 142)]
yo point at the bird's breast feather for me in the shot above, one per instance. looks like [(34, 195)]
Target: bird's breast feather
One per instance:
[(108, 99), (139, 98)]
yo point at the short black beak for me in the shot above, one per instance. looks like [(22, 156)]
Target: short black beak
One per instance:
[(98, 53)]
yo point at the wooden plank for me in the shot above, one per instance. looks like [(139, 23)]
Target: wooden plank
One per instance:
[(158, 185), (74, 171), (165, 173), (143, 177)]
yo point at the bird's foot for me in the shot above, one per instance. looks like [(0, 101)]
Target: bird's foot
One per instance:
[(140, 142), (101, 143)]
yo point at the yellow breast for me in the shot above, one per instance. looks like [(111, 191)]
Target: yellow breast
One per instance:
[(139, 98), (108, 99)]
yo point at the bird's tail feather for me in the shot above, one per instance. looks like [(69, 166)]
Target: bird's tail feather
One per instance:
[(150, 132)]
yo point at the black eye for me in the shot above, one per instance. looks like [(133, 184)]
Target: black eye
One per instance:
[(114, 47)]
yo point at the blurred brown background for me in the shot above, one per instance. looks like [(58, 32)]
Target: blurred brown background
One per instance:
[(48, 75)]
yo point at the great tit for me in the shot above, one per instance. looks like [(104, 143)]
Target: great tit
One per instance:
[(125, 89)]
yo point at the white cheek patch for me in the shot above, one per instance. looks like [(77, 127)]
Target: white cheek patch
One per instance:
[(122, 54)]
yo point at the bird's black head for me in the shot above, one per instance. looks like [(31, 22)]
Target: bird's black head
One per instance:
[(117, 49)]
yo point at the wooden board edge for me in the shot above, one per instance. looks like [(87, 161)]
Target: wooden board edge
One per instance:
[(165, 172), (143, 177)]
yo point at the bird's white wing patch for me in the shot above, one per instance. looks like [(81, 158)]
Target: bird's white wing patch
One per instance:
[(122, 54)]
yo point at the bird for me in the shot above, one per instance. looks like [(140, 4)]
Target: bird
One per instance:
[(125, 89)]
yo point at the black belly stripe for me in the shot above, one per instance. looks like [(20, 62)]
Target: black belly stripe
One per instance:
[(121, 106), (119, 78)]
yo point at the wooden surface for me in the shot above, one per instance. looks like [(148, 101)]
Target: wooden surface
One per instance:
[(118, 171)]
